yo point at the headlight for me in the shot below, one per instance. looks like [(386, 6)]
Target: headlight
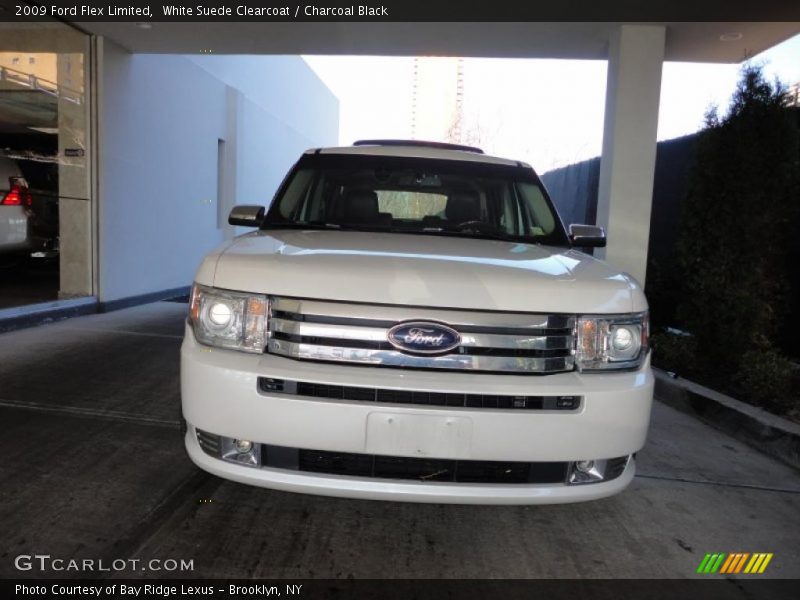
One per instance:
[(229, 319), (612, 341)]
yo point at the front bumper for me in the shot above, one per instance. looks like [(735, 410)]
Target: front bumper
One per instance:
[(405, 491), (220, 394)]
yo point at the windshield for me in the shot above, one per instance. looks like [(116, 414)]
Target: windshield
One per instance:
[(416, 196)]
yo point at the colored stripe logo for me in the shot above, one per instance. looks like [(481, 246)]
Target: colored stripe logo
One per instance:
[(736, 562)]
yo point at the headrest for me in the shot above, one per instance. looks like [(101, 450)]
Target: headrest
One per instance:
[(463, 206), (360, 205)]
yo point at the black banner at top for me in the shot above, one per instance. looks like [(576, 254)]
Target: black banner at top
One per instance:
[(402, 10)]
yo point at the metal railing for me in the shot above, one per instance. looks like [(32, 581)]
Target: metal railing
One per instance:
[(39, 84)]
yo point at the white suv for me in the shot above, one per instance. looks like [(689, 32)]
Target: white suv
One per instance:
[(411, 321), (15, 210)]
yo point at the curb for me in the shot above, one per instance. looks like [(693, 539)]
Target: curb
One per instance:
[(768, 433), (32, 315)]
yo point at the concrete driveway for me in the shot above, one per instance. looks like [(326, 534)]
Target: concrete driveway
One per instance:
[(93, 467)]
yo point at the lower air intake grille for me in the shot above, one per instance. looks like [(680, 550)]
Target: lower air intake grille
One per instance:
[(208, 442), (388, 396), (420, 469), (615, 467), (415, 469)]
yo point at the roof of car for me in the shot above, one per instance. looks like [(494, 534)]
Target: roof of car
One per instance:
[(416, 149)]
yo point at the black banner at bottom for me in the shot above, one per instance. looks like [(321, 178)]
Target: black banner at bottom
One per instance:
[(391, 589)]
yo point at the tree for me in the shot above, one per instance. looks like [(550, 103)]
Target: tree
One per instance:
[(740, 217)]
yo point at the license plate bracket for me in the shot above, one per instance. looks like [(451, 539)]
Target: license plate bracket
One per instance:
[(403, 434)]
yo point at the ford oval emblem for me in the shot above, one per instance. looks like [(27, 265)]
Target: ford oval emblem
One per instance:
[(423, 337)]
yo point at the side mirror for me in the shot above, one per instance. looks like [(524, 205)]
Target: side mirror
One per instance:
[(587, 236), (246, 215)]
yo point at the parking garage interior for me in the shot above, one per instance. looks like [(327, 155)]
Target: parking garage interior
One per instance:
[(44, 159)]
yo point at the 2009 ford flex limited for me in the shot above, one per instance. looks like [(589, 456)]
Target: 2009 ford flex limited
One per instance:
[(413, 322)]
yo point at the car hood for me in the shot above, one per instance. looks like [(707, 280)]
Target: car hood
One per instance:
[(420, 270)]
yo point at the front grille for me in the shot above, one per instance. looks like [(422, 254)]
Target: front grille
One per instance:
[(415, 397), (357, 333)]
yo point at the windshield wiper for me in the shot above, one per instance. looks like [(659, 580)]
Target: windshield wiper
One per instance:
[(301, 225), (482, 235)]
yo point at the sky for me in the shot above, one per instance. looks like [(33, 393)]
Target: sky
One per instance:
[(548, 113)]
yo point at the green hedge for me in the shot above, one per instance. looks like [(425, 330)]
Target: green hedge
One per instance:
[(740, 222)]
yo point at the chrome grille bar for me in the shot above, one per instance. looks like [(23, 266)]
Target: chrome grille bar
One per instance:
[(356, 333), (376, 334)]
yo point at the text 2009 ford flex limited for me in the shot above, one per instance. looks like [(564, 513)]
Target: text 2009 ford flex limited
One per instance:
[(411, 321)]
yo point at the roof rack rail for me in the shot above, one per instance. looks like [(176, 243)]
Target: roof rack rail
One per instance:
[(419, 143)]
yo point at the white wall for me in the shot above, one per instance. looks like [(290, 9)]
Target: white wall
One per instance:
[(284, 86), (160, 119)]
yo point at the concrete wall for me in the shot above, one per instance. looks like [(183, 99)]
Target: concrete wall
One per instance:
[(161, 119)]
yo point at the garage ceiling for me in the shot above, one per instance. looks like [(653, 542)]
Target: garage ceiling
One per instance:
[(694, 42)]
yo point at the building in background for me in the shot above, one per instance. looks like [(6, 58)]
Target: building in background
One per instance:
[(141, 156), (438, 99)]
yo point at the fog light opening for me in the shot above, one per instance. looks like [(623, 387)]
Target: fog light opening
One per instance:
[(240, 451), (587, 471)]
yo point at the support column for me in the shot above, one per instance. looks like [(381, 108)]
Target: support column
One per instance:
[(627, 167), (74, 205)]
